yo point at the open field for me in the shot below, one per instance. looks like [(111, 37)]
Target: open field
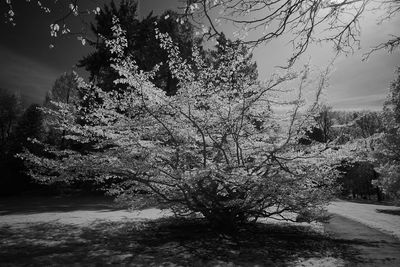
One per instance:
[(93, 231)]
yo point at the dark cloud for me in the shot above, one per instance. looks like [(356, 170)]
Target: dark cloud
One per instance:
[(30, 78)]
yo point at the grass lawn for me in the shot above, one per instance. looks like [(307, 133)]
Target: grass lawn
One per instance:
[(42, 232), (164, 242)]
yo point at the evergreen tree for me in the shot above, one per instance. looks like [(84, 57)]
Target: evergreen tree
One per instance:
[(143, 46), (221, 55), (13, 172), (30, 126), (10, 110), (65, 89)]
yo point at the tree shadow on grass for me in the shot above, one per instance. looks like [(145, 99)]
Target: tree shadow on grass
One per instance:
[(389, 211), (33, 205), (164, 242)]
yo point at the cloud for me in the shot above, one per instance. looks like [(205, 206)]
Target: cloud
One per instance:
[(352, 79), (362, 85), (32, 79), (367, 102)]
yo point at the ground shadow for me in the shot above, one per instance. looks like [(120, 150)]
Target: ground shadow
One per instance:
[(164, 242), (389, 211), (14, 205)]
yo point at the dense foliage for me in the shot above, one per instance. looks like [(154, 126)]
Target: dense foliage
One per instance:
[(21, 126), (387, 153), (10, 109)]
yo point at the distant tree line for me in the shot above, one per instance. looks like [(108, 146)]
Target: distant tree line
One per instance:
[(17, 125), (361, 177)]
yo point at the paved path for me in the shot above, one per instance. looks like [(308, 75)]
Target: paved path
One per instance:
[(371, 247), (381, 217)]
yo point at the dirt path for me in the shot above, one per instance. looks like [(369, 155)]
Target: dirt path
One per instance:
[(371, 247)]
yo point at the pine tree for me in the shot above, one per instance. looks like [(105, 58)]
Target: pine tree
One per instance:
[(142, 44)]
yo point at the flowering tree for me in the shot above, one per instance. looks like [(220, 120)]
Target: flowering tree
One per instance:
[(388, 151), (214, 148)]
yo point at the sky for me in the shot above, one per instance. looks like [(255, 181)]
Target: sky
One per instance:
[(29, 66)]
